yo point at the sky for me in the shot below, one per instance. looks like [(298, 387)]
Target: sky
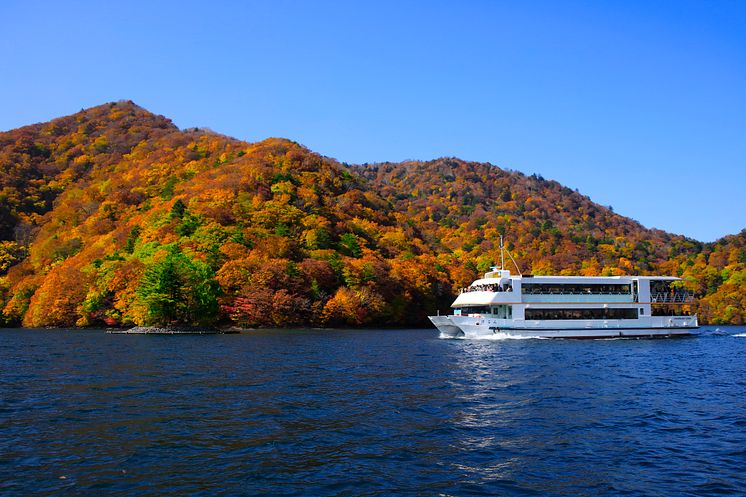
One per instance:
[(641, 105)]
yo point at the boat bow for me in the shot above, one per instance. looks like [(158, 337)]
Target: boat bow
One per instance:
[(446, 326)]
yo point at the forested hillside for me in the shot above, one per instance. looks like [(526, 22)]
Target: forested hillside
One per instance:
[(115, 216)]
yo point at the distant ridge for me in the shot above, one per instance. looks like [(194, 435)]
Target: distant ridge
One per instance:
[(114, 216)]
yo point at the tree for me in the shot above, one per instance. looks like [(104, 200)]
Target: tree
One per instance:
[(179, 290), (349, 245)]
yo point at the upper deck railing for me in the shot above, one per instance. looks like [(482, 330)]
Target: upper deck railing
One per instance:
[(487, 288), (578, 298), (574, 295), (530, 289), (672, 298)]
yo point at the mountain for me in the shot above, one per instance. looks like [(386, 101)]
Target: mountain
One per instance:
[(115, 216)]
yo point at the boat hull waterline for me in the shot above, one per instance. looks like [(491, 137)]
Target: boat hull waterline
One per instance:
[(471, 327)]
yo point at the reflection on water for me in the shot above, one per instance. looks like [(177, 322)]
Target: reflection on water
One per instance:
[(376, 412), (593, 412)]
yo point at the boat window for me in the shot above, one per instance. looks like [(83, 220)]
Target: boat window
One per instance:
[(670, 310), (576, 289), (476, 309), (502, 311), (492, 287), (596, 313)]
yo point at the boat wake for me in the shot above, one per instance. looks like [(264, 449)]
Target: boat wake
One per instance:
[(494, 337), (717, 332)]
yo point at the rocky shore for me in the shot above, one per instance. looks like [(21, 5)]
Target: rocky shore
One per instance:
[(169, 330)]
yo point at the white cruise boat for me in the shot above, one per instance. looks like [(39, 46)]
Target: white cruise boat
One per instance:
[(569, 307)]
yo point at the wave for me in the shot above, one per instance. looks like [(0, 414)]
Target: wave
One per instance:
[(719, 332), (713, 332), (495, 337)]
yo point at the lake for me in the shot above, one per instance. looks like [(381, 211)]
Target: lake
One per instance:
[(370, 413)]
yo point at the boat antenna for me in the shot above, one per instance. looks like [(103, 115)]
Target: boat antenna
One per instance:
[(502, 253), (502, 257)]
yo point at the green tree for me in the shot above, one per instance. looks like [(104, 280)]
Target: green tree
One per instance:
[(349, 245), (179, 290), (129, 247), (178, 209)]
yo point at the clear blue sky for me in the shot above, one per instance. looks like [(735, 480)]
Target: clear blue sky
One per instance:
[(639, 105)]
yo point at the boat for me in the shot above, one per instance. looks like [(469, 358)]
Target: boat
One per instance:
[(526, 306)]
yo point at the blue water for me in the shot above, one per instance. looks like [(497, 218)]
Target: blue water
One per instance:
[(370, 413)]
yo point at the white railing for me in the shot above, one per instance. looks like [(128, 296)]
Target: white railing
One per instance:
[(487, 288), (578, 298), (557, 291), (671, 298)]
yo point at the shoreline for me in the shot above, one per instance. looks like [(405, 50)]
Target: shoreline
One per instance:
[(168, 330)]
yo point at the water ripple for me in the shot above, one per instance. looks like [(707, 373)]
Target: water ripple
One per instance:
[(369, 413)]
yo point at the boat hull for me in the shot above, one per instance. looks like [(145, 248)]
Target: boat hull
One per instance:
[(476, 327)]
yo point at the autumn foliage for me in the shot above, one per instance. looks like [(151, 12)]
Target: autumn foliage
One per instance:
[(115, 216)]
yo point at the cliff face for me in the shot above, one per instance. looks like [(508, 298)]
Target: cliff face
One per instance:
[(113, 215)]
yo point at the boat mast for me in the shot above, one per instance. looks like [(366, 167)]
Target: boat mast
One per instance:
[(502, 257), (502, 254)]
